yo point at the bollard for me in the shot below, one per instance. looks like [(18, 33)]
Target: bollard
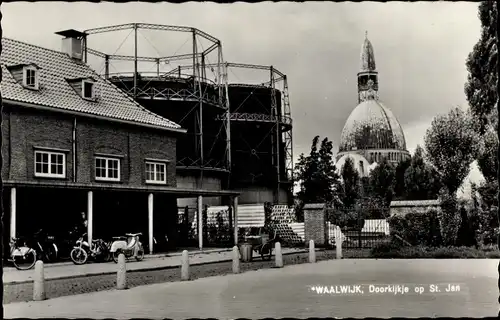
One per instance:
[(185, 266), (312, 252), (279, 256), (236, 260), (121, 274), (39, 282), (338, 247)]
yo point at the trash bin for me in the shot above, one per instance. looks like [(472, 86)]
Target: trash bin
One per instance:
[(246, 252)]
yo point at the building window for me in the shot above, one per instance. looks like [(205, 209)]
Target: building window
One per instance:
[(156, 172), (88, 89), (30, 77), (50, 164), (107, 169)]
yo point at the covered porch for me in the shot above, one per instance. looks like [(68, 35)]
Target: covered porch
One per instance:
[(111, 210)]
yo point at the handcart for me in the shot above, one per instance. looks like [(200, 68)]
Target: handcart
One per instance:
[(262, 243)]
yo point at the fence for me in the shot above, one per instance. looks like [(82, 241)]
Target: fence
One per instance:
[(357, 231)]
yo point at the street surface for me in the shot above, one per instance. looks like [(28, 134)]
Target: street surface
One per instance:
[(288, 292), (66, 270)]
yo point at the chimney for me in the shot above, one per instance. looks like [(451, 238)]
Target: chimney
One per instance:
[(72, 43)]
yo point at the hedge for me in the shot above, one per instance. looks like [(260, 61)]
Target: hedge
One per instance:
[(391, 251), (417, 228)]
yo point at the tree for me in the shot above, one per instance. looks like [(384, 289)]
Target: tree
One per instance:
[(482, 64), (317, 174), (399, 179), (350, 184), (452, 144), (487, 159), (420, 179), (382, 179)]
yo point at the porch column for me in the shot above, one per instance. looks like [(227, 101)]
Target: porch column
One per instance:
[(235, 210), (13, 213), (200, 222), (90, 215), (150, 222)]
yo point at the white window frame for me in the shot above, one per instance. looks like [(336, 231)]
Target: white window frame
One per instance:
[(50, 174), (155, 164), (27, 69), (92, 83), (107, 160)]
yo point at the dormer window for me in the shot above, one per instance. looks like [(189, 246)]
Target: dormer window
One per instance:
[(88, 89), (30, 77)]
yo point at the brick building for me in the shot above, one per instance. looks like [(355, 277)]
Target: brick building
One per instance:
[(74, 142)]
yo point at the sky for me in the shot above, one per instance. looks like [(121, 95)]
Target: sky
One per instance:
[(420, 50)]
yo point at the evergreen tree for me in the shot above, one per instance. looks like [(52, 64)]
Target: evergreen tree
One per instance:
[(382, 179), (316, 174), (399, 179), (350, 184)]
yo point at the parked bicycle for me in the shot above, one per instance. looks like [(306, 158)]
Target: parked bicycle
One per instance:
[(99, 250), (22, 256)]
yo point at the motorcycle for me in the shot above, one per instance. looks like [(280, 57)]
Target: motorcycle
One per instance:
[(130, 246), (98, 250), (21, 255), (45, 245)]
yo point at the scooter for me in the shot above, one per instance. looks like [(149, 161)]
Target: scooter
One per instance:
[(98, 251), (130, 246)]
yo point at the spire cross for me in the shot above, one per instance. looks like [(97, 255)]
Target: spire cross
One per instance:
[(366, 34)]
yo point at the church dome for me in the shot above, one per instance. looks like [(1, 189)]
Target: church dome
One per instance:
[(371, 125)]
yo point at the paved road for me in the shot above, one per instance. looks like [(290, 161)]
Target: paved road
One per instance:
[(66, 270), (287, 293)]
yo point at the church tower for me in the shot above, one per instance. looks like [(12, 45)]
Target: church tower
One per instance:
[(367, 75)]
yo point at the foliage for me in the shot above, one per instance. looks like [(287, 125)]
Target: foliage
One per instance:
[(381, 181), (449, 217), (487, 159), (484, 213), (373, 207), (416, 228), (346, 218), (220, 231), (350, 183), (392, 251), (466, 232), (421, 182), (482, 64), (317, 174), (452, 145), (399, 179)]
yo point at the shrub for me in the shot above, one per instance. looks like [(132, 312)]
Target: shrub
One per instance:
[(346, 219), (417, 228)]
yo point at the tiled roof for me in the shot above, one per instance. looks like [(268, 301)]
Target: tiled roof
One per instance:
[(55, 68)]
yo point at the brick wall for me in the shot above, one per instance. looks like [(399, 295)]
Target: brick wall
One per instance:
[(26, 129), (315, 224)]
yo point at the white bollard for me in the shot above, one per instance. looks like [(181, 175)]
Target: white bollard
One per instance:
[(185, 266), (121, 274), (236, 260), (338, 246), (279, 256), (39, 282), (312, 252)]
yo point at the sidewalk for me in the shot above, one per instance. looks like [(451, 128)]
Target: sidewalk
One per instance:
[(69, 270)]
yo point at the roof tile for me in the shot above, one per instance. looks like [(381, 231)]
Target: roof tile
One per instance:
[(56, 92)]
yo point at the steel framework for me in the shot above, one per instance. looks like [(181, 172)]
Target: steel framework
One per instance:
[(197, 91)]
